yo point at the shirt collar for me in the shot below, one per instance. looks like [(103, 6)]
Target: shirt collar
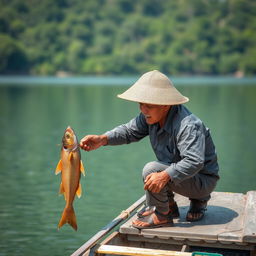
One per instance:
[(169, 120)]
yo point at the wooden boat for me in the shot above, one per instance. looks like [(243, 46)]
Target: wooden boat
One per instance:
[(228, 229)]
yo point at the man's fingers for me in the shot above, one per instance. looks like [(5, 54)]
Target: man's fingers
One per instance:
[(148, 177), (152, 188), (82, 144), (85, 143), (86, 148), (151, 184), (148, 182)]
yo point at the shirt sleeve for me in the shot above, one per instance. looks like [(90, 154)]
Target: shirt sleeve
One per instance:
[(133, 131), (191, 145)]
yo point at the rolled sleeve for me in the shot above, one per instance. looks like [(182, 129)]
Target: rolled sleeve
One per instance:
[(133, 131), (191, 145)]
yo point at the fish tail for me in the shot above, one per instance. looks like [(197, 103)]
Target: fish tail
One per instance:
[(68, 216)]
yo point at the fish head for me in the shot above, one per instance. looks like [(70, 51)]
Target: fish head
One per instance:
[(69, 139)]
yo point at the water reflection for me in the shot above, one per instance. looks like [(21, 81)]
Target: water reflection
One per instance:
[(32, 121)]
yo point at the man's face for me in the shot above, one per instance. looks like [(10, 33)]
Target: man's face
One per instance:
[(154, 113)]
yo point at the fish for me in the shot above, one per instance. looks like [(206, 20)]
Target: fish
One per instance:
[(70, 166)]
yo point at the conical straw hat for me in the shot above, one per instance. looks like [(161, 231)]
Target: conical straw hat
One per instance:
[(154, 88)]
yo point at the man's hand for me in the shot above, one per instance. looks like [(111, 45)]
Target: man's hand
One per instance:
[(156, 181), (92, 142)]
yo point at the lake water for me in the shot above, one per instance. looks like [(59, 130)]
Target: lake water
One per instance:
[(33, 117)]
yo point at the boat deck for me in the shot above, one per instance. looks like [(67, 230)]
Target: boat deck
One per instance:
[(228, 228), (229, 220)]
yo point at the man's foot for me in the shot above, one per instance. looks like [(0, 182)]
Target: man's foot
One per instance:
[(147, 210), (196, 210), (153, 220)]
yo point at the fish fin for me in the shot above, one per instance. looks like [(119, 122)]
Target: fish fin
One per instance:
[(82, 168), (59, 167), (68, 216), (79, 191), (70, 156)]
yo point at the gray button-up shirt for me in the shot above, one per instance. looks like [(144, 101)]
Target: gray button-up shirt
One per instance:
[(183, 142)]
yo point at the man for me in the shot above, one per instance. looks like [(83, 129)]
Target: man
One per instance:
[(186, 158)]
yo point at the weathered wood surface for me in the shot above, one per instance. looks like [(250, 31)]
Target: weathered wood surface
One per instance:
[(249, 231), (123, 250), (122, 216), (230, 218)]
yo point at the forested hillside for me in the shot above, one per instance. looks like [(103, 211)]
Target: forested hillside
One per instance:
[(81, 37)]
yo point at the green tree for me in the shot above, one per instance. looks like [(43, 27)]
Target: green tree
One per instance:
[(125, 37), (12, 56)]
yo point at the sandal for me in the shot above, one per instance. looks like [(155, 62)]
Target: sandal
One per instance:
[(147, 210), (196, 207), (150, 221)]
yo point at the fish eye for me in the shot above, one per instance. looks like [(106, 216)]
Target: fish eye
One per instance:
[(67, 136)]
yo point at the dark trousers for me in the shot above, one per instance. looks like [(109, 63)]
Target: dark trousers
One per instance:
[(198, 187)]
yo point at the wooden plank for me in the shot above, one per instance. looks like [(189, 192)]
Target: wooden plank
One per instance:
[(123, 250), (235, 204), (105, 230), (223, 221), (172, 241), (249, 232), (110, 238)]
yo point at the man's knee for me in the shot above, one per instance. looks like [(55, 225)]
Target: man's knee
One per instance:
[(148, 168), (152, 167)]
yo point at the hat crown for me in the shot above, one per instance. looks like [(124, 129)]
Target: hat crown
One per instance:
[(155, 79)]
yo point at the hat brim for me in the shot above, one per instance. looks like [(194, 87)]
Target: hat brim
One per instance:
[(156, 96)]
